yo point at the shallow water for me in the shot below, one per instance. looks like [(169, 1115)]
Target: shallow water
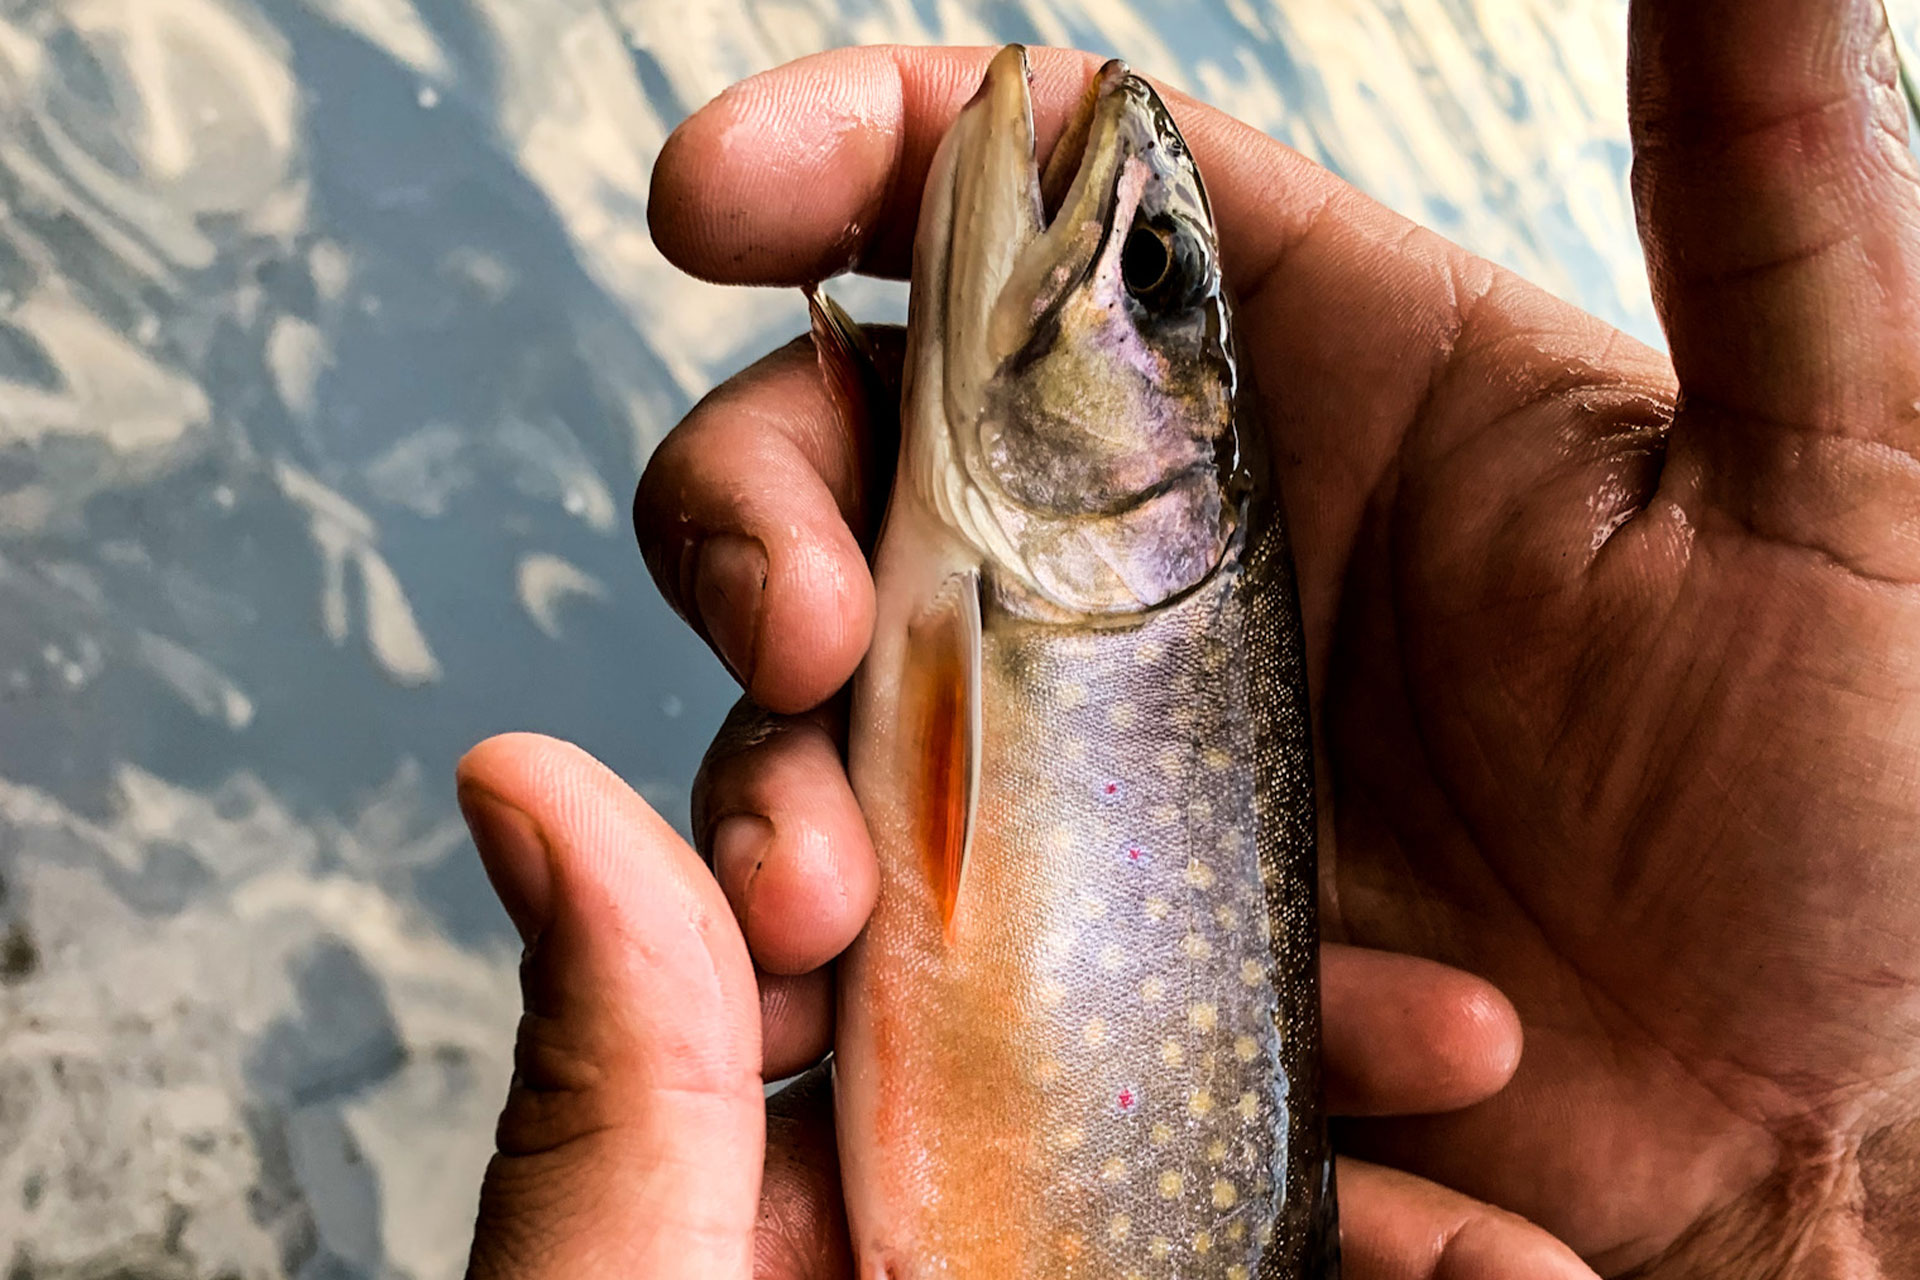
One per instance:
[(331, 346)]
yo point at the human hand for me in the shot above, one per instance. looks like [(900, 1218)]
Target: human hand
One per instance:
[(1619, 686)]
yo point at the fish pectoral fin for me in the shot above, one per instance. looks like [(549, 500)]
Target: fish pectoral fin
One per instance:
[(942, 703)]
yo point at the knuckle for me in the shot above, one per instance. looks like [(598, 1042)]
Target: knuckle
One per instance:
[(557, 1097)]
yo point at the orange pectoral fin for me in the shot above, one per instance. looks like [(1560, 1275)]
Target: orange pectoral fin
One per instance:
[(942, 696)]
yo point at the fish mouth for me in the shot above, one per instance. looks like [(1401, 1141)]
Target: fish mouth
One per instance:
[(1011, 238)]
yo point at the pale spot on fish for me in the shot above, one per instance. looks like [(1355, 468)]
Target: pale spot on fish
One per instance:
[(1164, 815), (1094, 908), (1172, 761), (1252, 972), (1237, 1231), (1236, 1272), (1202, 1242), (1170, 1184), (1203, 1016), (1201, 1103), (1225, 1194), (1072, 1245), (1121, 715), (1051, 993), (1112, 957), (1173, 1053), (1113, 1170), (1248, 1106), (1228, 918), (1047, 1070), (1073, 750), (1161, 1134), (1246, 1048), (1070, 1138), (1148, 652), (1199, 874), (1152, 989), (1117, 1229), (1158, 907), (1063, 839), (1213, 657), (1216, 1151), (1095, 1032), (1072, 694), (1196, 947), (1200, 811), (1216, 759), (1160, 1248), (1264, 1235)]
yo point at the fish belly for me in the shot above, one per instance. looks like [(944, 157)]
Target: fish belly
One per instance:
[(1104, 1065)]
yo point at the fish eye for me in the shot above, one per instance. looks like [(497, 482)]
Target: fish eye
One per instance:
[(1164, 266), (1145, 259)]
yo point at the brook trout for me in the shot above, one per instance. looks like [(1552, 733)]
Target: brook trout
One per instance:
[(1079, 1036)]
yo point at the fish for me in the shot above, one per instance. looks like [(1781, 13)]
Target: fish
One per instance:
[(1079, 1035)]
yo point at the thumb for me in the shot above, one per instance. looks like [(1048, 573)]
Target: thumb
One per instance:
[(632, 1139)]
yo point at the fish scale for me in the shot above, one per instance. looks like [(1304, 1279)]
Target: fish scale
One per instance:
[(1154, 1036)]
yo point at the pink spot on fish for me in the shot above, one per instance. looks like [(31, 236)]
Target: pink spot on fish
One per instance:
[(1135, 856), (1111, 790), (1127, 1101)]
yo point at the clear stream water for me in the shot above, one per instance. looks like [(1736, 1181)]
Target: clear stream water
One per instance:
[(331, 347)]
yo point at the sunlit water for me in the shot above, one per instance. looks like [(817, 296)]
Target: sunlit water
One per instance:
[(331, 346)]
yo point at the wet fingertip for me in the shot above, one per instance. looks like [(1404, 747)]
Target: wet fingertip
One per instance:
[(818, 621), (514, 852), (777, 180), (729, 593), (1491, 1031), (824, 888), (739, 844)]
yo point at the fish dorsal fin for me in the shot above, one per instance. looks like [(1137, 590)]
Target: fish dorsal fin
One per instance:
[(943, 703)]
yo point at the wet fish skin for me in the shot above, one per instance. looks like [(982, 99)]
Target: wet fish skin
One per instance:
[(1080, 1035)]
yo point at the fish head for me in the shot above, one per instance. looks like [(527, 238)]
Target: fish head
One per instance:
[(1070, 382)]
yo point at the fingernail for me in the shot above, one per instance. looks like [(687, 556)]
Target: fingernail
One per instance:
[(739, 848), (728, 587), (514, 852)]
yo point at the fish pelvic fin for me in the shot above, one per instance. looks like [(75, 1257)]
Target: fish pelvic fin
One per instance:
[(943, 705)]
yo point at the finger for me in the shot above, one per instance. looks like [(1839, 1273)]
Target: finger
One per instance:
[(747, 516), (631, 1142), (803, 1226), (885, 108), (796, 1021), (1394, 1226), (773, 808), (817, 166), (1779, 206), (1406, 1036)]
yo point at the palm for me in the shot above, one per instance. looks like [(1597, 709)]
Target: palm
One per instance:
[(1646, 762), (1587, 776)]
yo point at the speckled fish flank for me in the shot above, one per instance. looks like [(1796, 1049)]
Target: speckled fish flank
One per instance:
[(1079, 1037)]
